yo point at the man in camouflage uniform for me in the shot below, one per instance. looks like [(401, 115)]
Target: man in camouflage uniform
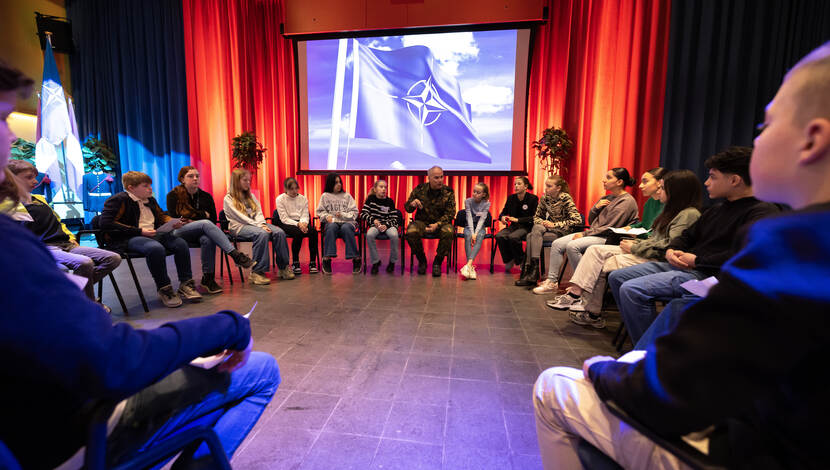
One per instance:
[(435, 205)]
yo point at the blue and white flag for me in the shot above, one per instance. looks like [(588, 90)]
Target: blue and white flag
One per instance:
[(404, 98), (56, 126)]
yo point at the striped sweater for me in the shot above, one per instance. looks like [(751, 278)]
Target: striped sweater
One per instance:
[(382, 210)]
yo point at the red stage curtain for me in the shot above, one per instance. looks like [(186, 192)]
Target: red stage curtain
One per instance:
[(598, 70)]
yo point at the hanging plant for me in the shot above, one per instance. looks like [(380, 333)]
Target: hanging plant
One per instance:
[(22, 149), (98, 156), (553, 149), (247, 153)]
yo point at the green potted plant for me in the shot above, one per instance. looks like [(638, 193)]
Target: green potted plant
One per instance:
[(553, 149), (98, 156), (22, 149), (247, 151)]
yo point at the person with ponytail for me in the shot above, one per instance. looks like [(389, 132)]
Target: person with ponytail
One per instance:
[(680, 193), (196, 208), (517, 215), (247, 223), (615, 209)]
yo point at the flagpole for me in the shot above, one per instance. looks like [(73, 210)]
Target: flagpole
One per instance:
[(337, 105), (353, 107)]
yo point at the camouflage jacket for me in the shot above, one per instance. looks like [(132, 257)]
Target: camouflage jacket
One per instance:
[(439, 206), (560, 210)]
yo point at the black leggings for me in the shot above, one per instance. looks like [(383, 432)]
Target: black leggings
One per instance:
[(296, 235)]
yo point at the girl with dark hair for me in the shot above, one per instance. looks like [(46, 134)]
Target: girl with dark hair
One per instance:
[(292, 209), (616, 209), (517, 215), (198, 212), (680, 192), (649, 183), (337, 211)]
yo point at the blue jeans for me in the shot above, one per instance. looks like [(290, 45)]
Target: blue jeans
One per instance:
[(335, 230), (392, 234), (154, 251), (665, 321), (209, 236), (231, 411), (470, 249), (635, 289), (260, 237)]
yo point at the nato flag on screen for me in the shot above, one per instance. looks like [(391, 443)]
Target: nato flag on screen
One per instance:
[(405, 99)]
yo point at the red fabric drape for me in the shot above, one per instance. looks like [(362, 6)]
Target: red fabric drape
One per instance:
[(598, 70)]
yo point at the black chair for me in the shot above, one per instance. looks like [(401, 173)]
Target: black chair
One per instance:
[(357, 233), (426, 236), (127, 255), (96, 235), (275, 220), (224, 224), (382, 236), (676, 446), (490, 234), (547, 244), (186, 442)]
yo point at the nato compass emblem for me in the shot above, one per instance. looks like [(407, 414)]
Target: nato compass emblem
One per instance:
[(423, 102)]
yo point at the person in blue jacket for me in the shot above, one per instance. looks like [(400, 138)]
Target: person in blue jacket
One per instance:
[(62, 354)]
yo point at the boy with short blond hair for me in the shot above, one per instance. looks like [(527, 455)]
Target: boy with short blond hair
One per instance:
[(130, 219)]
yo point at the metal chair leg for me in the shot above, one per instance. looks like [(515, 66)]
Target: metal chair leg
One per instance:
[(137, 285), (492, 254), (117, 294)]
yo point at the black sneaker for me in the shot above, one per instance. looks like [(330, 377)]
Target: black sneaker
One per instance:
[(376, 268), (241, 259), (327, 266), (422, 269), (297, 269), (209, 285), (356, 266), (390, 268), (312, 267)]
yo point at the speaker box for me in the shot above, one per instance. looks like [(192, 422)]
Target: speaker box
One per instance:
[(61, 30)]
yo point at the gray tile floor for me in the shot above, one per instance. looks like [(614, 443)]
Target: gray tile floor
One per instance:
[(392, 372)]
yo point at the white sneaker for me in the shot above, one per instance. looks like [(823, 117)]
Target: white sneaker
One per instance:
[(465, 272), (578, 306), (259, 279), (546, 287), (472, 273), (563, 302)]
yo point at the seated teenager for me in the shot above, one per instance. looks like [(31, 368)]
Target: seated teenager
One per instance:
[(517, 214), (198, 212), (680, 192), (338, 214), (653, 207), (130, 219), (616, 209), (292, 207), (556, 215), (91, 263), (65, 354), (475, 211), (746, 360), (381, 217), (247, 223), (700, 250)]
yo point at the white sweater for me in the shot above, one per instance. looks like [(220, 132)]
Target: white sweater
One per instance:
[(330, 204), (239, 219), (292, 210)]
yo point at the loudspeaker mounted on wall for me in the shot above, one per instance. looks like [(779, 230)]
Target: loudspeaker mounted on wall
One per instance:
[(61, 30)]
